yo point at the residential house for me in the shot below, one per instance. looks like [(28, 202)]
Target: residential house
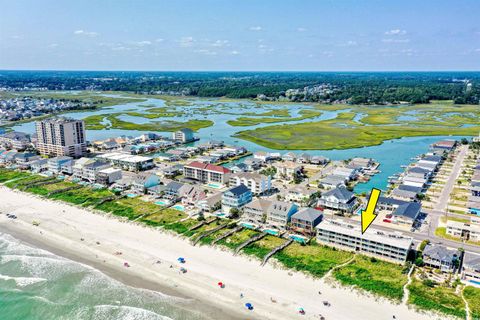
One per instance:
[(305, 221), (39, 165), (256, 211), (338, 199), (87, 169), (471, 268), (235, 197), (15, 140), (145, 180), (108, 176), (332, 181), (210, 203), (463, 230), (299, 194), (192, 196), (440, 257), (252, 164), (279, 213), (61, 164), (172, 190), (287, 169), (289, 156)]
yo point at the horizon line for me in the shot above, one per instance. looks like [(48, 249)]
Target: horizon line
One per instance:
[(245, 71)]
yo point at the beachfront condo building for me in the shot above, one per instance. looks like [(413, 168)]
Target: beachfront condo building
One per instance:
[(206, 173), (61, 137), (389, 246)]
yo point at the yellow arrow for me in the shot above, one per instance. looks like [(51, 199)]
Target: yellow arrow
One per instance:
[(368, 215)]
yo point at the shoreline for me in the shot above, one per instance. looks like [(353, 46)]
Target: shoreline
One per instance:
[(62, 226)]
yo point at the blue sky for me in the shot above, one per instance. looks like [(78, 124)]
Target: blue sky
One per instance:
[(309, 35)]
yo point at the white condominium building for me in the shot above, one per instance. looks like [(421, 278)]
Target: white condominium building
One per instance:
[(390, 246)]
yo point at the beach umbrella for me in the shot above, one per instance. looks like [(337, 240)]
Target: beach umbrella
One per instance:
[(221, 284), (181, 260), (249, 306)]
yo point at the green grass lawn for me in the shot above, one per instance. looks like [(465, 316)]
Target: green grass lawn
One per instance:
[(314, 259), (7, 174), (472, 295), (373, 275), (438, 298)]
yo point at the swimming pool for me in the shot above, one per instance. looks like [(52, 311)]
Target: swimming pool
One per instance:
[(214, 185), (131, 195), (178, 207), (271, 231), (248, 225), (298, 238), (162, 202), (475, 282)]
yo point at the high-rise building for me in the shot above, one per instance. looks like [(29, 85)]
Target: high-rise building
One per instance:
[(61, 137)]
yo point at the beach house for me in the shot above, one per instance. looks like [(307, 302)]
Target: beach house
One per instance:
[(61, 164), (279, 213), (287, 169), (235, 198), (471, 268), (144, 180), (440, 257), (338, 199), (305, 221), (256, 211)]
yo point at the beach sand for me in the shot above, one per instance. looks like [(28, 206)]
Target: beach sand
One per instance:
[(62, 226)]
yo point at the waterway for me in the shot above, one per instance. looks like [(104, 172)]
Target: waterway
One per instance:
[(391, 154)]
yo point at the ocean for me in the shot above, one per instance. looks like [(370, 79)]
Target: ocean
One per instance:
[(37, 284)]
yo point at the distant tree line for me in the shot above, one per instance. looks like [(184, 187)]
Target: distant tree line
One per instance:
[(350, 87)]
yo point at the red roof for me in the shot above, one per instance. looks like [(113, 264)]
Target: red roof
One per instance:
[(209, 167)]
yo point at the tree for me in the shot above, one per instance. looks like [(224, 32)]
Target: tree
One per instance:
[(419, 261), (464, 141), (234, 213)]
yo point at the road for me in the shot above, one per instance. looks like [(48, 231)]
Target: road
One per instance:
[(442, 203)]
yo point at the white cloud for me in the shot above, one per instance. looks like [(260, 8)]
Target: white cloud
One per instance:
[(186, 41), (255, 28), (53, 45), (477, 50), (234, 52), (85, 33), (300, 29), (220, 43), (206, 52), (159, 40), (143, 43), (16, 37), (390, 40), (395, 32)]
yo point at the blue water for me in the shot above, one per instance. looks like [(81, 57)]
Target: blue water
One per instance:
[(38, 285)]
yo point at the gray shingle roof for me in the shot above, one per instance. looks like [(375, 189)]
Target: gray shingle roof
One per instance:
[(440, 253), (307, 214), (341, 193)]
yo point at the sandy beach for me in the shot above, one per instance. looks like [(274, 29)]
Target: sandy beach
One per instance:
[(63, 226)]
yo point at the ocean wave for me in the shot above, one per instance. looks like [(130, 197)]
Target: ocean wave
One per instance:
[(22, 281), (11, 245), (126, 313)]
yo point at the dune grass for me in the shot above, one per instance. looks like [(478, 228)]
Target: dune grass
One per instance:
[(438, 298), (314, 259), (373, 275), (472, 295)]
